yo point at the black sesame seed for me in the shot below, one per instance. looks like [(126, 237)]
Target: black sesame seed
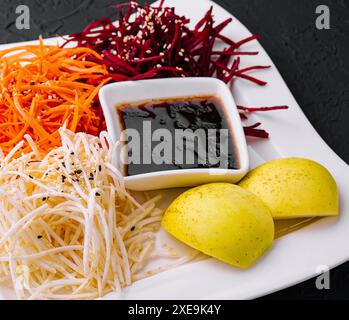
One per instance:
[(31, 177), (39, 236), (133, 228), (78, 171)]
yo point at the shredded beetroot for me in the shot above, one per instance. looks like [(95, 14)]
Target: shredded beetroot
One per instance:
[(253, 130), (247, 109), (157, 43)]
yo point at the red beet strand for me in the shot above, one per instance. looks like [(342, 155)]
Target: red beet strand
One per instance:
[(158, 43), (248, 109)]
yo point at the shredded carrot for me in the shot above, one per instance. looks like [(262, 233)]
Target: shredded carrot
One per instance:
[(43, 88)]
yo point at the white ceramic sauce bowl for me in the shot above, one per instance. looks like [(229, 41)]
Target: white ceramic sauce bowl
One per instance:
[(133, 92)]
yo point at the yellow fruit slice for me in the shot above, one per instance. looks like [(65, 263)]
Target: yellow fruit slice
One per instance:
[(294, 188), (223, 221)]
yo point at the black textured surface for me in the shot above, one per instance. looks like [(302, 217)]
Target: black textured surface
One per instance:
[(314, 64)]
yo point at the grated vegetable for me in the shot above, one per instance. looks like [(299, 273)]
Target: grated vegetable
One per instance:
[(68, 227), (42, 88)]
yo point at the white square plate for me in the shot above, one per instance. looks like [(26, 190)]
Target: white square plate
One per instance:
[(293, 258)]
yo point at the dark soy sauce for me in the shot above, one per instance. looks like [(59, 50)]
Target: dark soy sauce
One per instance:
[(178, 114)]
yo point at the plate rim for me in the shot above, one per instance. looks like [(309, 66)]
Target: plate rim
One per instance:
[(334, 250)]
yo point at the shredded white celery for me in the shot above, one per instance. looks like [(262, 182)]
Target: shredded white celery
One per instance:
[(68, 227)]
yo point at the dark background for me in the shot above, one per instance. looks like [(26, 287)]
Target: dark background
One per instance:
[(314, 64)]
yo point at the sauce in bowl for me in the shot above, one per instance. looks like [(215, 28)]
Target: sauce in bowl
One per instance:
[(195, 125)]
